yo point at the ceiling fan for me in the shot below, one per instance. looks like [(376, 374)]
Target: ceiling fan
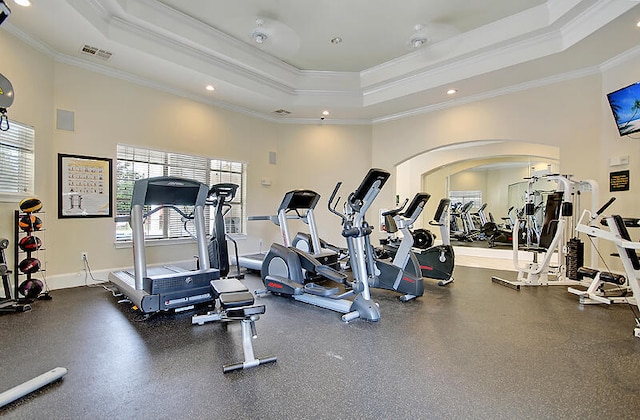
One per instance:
[(274, 37), (430, 33)]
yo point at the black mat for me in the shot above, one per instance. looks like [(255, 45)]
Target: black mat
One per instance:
[(473, 349)]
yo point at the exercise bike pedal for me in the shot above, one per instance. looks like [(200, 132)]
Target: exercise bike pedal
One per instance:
[(316, 289)]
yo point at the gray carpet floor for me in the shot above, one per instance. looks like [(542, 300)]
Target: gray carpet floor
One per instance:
[(473, 349)]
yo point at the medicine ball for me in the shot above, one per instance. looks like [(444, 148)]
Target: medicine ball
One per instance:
[(30, 243), (29, 265), (31, 288), (30, 205), (29, 223)]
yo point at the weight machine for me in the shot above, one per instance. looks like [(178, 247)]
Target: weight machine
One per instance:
[(551, 242), (627, 250)]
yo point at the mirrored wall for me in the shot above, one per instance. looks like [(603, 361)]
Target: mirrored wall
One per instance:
[(490, 173)]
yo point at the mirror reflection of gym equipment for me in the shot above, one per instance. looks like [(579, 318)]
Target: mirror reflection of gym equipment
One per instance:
[(487, 196)]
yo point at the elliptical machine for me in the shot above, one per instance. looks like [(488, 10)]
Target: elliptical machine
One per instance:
[(220, 197), (283, 269)]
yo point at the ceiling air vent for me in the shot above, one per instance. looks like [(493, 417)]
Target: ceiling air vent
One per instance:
[(281, 112), (95, 52)]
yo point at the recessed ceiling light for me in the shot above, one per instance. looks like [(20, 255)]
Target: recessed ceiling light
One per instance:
[(451, 91), (210, 88), (337, 40), (638, 24), (24, 3), (325, 113)]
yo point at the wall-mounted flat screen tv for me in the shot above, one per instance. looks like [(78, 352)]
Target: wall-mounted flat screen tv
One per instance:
[(625, 105)]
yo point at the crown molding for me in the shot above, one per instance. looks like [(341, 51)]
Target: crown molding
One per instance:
[(620, 59), (128, 77), (28, 39), (318, 88), (559, 78)]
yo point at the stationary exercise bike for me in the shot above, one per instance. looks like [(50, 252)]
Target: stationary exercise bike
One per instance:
[(436, 261), (284, 267), (402, 274)]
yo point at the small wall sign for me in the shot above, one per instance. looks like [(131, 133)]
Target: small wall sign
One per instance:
[(619, 181)]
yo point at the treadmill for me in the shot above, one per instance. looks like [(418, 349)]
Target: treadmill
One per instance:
[(154, 289)]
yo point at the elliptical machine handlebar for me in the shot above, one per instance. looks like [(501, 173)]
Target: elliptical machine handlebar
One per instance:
[(354, 232), (332, 209), (225, 191)]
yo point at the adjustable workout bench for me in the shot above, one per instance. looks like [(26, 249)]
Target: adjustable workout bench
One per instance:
[(236, 304)]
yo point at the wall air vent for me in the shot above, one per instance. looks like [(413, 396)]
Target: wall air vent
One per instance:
[(95, 52), (281, 112)]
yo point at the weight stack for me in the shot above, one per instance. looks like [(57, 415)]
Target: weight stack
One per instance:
[(574, 258)]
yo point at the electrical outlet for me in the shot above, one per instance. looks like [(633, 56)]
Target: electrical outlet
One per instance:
[(84, 256)]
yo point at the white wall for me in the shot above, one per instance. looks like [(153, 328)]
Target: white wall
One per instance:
[(31, 75), (317, 157), (109, 111)]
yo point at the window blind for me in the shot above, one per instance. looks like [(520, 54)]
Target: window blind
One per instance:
[(17, 155), (135, 163)]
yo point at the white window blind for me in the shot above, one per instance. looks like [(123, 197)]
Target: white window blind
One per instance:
[(17, 157), (135, 163), (464, 197)]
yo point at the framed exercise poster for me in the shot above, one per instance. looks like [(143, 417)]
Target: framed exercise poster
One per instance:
[(84, 186)]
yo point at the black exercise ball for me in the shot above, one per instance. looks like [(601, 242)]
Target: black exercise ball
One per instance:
[(31, 288), (30, 243), (29, 265)]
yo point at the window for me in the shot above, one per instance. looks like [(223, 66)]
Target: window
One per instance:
[(135, 163), (17, 157), (463, 197)]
